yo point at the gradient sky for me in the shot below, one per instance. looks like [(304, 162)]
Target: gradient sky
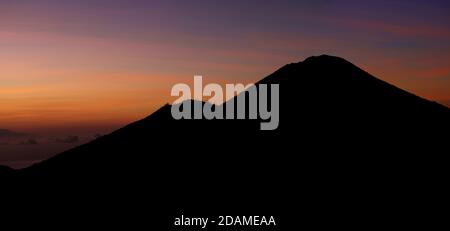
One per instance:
[(67, 65)]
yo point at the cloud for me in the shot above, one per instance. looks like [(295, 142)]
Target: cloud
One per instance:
[(409, 30), (68, 139), (29, 142), (9, 133)]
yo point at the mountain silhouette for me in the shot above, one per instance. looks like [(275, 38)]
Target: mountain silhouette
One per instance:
[(341, 131), (6, 172)]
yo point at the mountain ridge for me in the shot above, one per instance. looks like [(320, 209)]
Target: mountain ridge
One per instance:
[(344, 152), (309, 84), (312, 60)]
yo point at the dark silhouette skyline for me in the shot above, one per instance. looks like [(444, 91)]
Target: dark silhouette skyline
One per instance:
[(350, 150), (323, 99)]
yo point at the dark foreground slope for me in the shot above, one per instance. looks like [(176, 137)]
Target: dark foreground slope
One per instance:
[(349, 148)]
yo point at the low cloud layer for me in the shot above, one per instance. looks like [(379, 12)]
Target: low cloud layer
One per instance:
[(5, 133), (30, 141), (68, 139)]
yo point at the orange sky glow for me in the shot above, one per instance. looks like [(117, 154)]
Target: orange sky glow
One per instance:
[(67, 65)]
